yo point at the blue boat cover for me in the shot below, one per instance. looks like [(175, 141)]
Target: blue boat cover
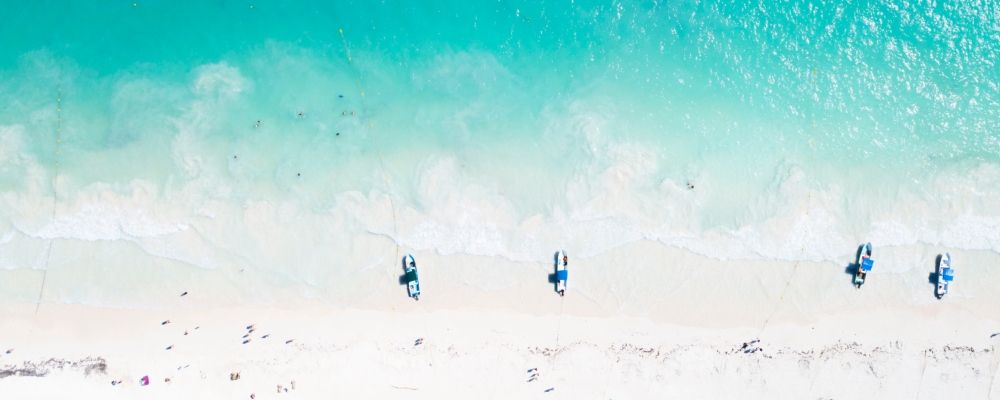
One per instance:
[(562, 274), (867, 264), (948, 275)]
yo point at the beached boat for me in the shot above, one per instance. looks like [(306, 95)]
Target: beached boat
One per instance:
[(865, 264), (412, 281), (562, 262), (945, 274)]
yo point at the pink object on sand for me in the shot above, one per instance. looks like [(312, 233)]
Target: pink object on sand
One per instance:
[(145, 380)]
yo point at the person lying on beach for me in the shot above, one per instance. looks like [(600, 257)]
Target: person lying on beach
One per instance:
[(749, 347), (532, 374)]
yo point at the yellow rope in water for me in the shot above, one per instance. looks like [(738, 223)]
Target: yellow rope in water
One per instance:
[(381, 160), (55, 196), (370, 125)]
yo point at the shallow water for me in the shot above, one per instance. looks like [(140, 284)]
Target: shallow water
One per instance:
[(498, 128)]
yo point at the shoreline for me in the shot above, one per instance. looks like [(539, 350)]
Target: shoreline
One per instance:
[(641, 279)]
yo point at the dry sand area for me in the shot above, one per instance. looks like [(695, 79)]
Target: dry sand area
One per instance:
[(691, 328)]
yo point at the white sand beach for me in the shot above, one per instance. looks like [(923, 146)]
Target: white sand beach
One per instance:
[(214, 199), (664, 325)]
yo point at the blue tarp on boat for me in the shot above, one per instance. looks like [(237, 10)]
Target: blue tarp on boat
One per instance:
[(867, 264), (562, 274), (948, 274)]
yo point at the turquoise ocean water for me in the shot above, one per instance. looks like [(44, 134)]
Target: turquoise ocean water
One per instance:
[(498, 128)]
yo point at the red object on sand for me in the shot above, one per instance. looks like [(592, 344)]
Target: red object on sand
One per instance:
[(145, 380)]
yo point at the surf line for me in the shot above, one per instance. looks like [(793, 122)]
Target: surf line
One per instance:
[(55, 195), (370, 125)]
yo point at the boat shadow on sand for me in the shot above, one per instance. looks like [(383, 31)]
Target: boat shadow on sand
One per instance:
[(932, 278), (402, 278), (555, 269), (852, 267)]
